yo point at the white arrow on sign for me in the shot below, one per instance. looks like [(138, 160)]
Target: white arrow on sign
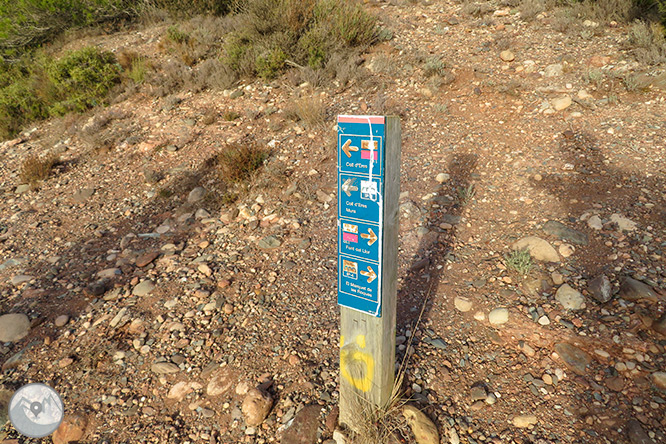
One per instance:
[(370, 274), (370, 236), (348, 187)]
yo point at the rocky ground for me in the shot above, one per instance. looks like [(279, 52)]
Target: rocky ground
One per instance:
[(162, 313)]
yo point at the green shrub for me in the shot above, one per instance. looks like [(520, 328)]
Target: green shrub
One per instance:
[(37, 86), (519, 261), (82, 79)]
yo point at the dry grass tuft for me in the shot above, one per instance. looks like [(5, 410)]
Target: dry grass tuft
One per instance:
[(310, 110), (35, 169), (239, 161)]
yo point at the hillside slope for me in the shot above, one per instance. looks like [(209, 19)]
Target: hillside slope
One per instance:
[(158, 295)]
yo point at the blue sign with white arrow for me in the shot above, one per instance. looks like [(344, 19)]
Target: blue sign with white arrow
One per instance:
[(360, 211)]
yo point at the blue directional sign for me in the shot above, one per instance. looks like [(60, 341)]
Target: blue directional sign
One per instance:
[(359, 239), (359, 197), (360, 209)]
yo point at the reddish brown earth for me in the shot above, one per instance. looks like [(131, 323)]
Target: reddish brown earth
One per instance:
[(269, 317)]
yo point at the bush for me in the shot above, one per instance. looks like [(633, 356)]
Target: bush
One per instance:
[(35, 169), (239, 161), (649, 42), (82, 79), (38, 87), (27, 24), (269, 34), (621, 10)]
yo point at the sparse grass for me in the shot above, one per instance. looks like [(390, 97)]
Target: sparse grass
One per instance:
[(237, 162), (519, 261), (466, 194), (138, 69), (35, 169), (309, 110), (434, 67), (441, 108)]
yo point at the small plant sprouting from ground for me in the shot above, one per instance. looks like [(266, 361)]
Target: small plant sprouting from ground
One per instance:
[(519, 261), (35, 169), (239, 161), (595, 77), (434, 67), (466, 194), (230, 115)]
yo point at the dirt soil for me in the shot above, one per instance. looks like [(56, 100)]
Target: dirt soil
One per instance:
[(244, 293)]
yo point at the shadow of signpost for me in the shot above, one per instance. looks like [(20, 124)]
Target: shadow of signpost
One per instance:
[(418, 287)]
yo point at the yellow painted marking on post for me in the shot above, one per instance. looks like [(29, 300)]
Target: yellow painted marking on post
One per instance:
[(356, 366)]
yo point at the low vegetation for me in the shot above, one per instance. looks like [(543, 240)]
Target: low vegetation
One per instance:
[(519, 261), (39, 87), (267, 35), (35, 169), (237, 162)]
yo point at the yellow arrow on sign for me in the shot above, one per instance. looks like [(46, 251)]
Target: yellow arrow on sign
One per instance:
[(347, 148), (347, 187), (370, 274), (370, 236)]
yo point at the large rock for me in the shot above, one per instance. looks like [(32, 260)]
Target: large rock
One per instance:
[(303, 429), (462, 303), (561, 103), (196, 195), (164, 368), (600, 288), (633, 290), (636, 433), (659, 379), (422, 427), (72, 429), (14, 327), (560, 230), (498, 316), (256, 406), (660, 325), (570, 298), (21, 279), (576, 359), (180, 390), (221, 381), (524, 421), (269, 243), (623, 224), (143, 288), (538, 248)]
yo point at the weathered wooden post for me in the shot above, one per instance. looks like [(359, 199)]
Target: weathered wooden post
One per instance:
[(368, 193)]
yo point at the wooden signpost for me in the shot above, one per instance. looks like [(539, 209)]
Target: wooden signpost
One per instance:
[(368, 193)]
